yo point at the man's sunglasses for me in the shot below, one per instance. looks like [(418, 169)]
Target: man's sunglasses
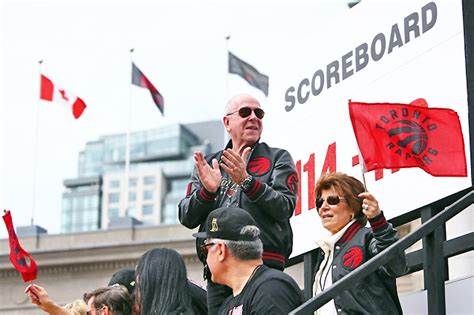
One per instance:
[(204, 248), (331, 200), (245, 112)]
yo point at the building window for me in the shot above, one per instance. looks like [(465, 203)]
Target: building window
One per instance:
[(148, 180), (113, 213), (114, 183), (132, 196), (132, 211), (148, 195), (179, 188), (147, 209), (169, 213), (114, 198), (132, 182)]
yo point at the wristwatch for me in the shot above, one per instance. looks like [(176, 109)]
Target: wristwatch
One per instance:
[(246, 183)]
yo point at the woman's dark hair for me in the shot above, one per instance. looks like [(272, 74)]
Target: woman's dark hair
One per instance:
[(162, 283), (349, 187)]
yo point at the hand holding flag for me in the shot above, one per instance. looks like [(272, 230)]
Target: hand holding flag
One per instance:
[(18, 256)]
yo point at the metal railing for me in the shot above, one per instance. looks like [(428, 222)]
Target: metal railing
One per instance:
[(434, 265)]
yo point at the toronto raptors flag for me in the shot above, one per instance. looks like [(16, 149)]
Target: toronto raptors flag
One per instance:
[(403, 135), (139, 79), (20, 259), (248, 73)]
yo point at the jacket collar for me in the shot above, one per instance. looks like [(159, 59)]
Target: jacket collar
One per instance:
[(350, 232), (229, 144)]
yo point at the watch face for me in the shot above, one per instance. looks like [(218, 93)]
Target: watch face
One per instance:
[(246, 183)]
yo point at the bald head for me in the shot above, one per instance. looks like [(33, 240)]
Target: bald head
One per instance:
[(238, 99)]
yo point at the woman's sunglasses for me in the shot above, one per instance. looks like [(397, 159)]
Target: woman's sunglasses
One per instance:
[(245, 112), (331, 200), (205, 248)]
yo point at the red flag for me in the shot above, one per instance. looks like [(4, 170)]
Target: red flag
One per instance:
[(139, 79), (50, 92), (18, 256), (403, 135)]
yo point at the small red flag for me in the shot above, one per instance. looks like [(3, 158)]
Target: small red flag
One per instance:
[(52, 93), (18, 256), (404, 135)]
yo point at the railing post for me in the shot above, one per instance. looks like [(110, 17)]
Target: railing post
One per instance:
[(308, 265), (435, 266)]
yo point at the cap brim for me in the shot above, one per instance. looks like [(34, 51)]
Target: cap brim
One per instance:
[(200, 235)]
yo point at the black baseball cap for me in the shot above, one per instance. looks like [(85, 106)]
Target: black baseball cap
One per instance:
[(125, 277), (226, 224)]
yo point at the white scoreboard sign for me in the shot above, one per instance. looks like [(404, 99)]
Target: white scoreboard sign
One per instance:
[(379, 51)]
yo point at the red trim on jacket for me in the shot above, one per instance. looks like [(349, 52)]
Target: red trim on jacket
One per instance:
[(273, 256), (206, 196), (378, 222), (256, 187), (350, 232)]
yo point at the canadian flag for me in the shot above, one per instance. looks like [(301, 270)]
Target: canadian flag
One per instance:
[(52, 93)]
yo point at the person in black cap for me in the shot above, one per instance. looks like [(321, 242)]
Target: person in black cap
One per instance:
[(125, 277), (233, 252), (248, 174)]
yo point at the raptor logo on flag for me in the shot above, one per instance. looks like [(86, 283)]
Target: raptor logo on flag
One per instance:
[(18, 256), (404, 135)]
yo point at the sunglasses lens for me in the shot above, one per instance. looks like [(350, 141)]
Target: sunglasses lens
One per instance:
[(245, 112), (319, 202), (333, 200), (205, 248), (259, 113)]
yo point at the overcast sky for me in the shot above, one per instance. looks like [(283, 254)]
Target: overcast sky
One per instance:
[(179, 45)]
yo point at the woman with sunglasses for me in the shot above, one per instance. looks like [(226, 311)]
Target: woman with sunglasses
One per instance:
[(344, 209)]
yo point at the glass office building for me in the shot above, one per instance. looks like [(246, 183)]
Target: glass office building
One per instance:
[(161, 163)]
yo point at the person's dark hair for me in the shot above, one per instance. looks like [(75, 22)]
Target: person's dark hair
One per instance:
[(348, 187), (162, 283), (115, 297)]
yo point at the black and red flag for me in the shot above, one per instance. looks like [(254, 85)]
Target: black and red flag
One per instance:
[(248, 73), (20, 259), (404, 135), (139, 79)]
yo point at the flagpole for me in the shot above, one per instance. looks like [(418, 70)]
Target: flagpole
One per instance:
[(35, 148), (227, 92), (127, 141), (227, 39), (363, 169)]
